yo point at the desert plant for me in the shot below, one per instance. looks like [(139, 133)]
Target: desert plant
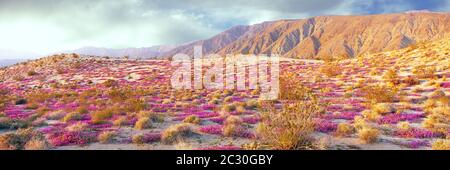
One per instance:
[(441, 144), (368, 135), (72, 116), (19, 139), (107, 137), (379, 93), (290, 127), (403, 126), (331, 69), (344, 129), (143, 123), (121, 121), (77, 127), (192, 119), (176, 133)]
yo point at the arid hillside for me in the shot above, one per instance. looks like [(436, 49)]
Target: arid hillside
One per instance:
[(326, 36)]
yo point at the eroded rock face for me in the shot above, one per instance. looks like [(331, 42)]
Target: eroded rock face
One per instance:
[(324, 36)]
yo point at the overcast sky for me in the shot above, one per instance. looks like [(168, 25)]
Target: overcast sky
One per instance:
[(44, 26)]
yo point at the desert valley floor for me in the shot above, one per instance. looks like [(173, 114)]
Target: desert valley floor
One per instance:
[(390, 100)]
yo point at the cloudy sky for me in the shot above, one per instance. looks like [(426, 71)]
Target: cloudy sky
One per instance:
[(45, 26)]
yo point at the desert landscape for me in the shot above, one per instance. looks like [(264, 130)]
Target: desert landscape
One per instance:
[(369, 82)]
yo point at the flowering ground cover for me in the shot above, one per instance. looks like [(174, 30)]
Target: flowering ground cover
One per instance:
[(395, 99)]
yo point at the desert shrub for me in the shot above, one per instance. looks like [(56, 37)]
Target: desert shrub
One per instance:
[(8, 123), (289, 128), (107, 137), (176, 133), (403, 126), (438, 119), (228, 108), (331, 69), (359, 123), (370, 115), (19, 139), (77, 127), (101, 116), (344, 129), (227, 92), (192, 119), (240, 109), (5, 123), (382, 108), (292, 89), (379, 93), (82, 110), (110, 83), (37, 144), (56, 115), (391, 76), (135, 105), (411, 80), (72, 116), (143, 123), (32, 106), (138, 139), (252, 104), (154, 117), (228, 99), (31, 73), (441, 144), (232, 130), (121, 121), (232, 126), (424, 71), (368, 135)]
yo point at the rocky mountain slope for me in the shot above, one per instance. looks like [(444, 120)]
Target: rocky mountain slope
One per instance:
[(324, 36)]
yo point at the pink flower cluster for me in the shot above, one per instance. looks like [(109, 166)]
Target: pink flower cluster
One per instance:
[(417, 133), (72, 138), (395, 118)]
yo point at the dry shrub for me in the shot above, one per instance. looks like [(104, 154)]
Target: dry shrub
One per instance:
[(292, 89), (331, 69), (107, 137), (344, 129), (138, 139), (410, 80), (101, 116), (379, 93), (291, 127), (368, 135), (441, 144), (403, 126), (391, 76), (359, 123), (424, 72), (176, 133), (77, 127), (121, 121), (143, 123), (19, 139), (371, 115), (56, 115), (37, 144), (110, 83), (232, 126), (382, 108), (72, 116), (192, 119), (252, 104)]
